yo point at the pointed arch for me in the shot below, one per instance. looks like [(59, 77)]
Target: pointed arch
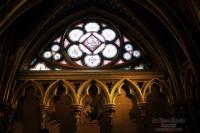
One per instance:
[(71, 88), (133, 88), (100, 85), (22, 87), (164, 89), (53, 86)]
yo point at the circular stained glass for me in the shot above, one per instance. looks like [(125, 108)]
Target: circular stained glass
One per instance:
[(109, 34), (99, 49), (74, 52), (40, 66), (128, 47), (91, 44), (110, 51), (47, 54), (127, 56), (57, 56), (75, 34), (92, 60), (55, 48), (99, 37), (92, 26), (84, 37), (94, 43), (84, 49), (136, 53)]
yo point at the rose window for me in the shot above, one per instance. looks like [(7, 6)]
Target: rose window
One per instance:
[(94, 42), (90, 45)]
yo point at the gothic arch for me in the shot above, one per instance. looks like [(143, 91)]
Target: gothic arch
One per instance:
[(85, 87), (164, 89), (133, 89), (52, 89), (17, 95)]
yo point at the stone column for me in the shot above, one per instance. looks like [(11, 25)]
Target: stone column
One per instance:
[(76, 115), (106, 122), (194, 106), (44, 111), (142, 115), (197, 91), (12, 114), (197, 105), (7, 114), (172, 109)]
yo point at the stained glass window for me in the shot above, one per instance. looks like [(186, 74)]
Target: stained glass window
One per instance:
[(40, 66), (90, 45)]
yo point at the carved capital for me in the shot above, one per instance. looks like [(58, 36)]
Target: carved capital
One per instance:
[(76, 107), (142, 108), (106, 122), (44, 110), (142, 105), (109, 108), (76, 115)]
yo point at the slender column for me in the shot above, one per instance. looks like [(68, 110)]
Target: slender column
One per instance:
[(106, 123), (8, 113), (76, 114), (193, 106), (197, 106), (197, 91), (143, 122), (172, 109), (44, 111)]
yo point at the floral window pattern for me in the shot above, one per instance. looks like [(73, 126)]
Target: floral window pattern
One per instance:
[(90, 45)]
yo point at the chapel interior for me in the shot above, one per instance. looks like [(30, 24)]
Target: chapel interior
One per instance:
[(99, 66)]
